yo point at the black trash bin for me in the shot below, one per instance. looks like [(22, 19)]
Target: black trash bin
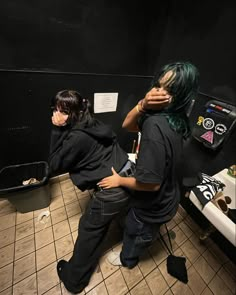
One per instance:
[(28, 197)]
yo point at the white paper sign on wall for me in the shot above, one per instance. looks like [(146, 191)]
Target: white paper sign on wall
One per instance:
[(105, 102)]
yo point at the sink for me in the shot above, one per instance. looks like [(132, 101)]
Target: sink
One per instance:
[(216, 217)]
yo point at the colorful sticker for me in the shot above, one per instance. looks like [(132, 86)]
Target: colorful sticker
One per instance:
[(200, 120), (208, 123), (220, 129), (208, 136)]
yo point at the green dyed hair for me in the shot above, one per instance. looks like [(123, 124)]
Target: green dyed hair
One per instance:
[(183, 86)]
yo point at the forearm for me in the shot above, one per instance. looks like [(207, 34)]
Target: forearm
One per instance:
[(58, 135), (131, 121), (132, 183)]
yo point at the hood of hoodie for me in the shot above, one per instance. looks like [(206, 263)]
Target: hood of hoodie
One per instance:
[(98, 130)]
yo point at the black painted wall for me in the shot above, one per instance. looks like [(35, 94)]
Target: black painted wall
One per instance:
[(105, 46)]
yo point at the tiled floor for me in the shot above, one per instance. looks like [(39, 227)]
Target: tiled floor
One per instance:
[(30, 249)]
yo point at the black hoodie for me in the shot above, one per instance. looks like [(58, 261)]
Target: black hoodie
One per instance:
[(87, 153)]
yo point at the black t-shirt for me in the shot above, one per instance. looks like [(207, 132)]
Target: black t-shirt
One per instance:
[(160, 151)]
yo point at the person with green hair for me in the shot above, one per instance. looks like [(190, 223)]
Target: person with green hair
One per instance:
[(162, 119)]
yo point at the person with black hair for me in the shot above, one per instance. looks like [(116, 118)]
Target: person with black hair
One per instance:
[(86, 148), (156, 178)]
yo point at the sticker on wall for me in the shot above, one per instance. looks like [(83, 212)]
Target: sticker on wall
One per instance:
[(208, 123), (105, 102), (220, 129), (208, 136), (200, 120)]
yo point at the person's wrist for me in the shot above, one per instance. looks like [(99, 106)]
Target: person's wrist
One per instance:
[(141, 106)]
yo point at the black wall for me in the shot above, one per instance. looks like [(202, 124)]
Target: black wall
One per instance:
[(105, 46)]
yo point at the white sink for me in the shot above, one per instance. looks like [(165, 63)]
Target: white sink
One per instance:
[(216, 217)]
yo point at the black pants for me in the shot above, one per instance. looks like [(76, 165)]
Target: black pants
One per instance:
[(138, 236), (103, 208)]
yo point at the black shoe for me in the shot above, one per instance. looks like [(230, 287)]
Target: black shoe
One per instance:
[(60, 267)]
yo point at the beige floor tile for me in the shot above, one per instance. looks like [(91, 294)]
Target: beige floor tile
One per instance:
[(24, 246), (7, 221), (96, 279), (56, 203), (65, 292), (58, 215), (207, 291), (132, 276), (64, 176), (146, 263), (190, 251), (23, 217), (204, 269), (69, 196), (107, 279), (185, 228), (64, 246), (158, 252), (180, 237), (6, 276), (54, 291), (218, 286), (156, 282), (47, 278), (74, 221), (6, 207), (107, 268), (26, 287), (74, 235), (24, 229), (61, 229), (230, 267), (53, 180), (116, 284), (66, 257), (7, 292), (7, 236), (192, 224), (217, 252), (67, 185), (171, 224), (45, 256), (99, 290), (199, 245), (55, 190), (182, 211), (175, 246), (82, 195), (39, 211), (195, 282), (178, 218), (141, 289), (229, 280), (41, 224), (180, 288), (44, 237), (73, 208), (212, 260), (24, 267), (6, 255)]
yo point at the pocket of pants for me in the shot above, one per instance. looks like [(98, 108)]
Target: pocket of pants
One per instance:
[(112, 200), (137, 228), (95, 211)]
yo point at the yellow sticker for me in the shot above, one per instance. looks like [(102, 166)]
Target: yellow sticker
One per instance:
[(200, 120)]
